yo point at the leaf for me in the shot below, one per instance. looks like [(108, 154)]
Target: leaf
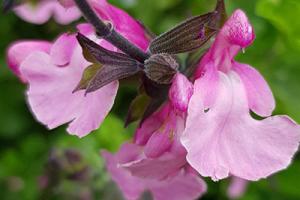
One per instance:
[(110, 73), (115, 66), (137, 108), (283, 15), (187, 36), (111, 133), (161, 68), (88, 74), (102, 55), (153, 106), (87, 55), (193, 59), (155, 90), (221, 15), (280, 63)]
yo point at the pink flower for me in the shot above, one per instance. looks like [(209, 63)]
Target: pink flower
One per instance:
[(156, 161), (18, 51), (122, 22), (184, 185), (52, 77), (41, 11), (54, 70), (67, 3), (221, 137), (159, 138)]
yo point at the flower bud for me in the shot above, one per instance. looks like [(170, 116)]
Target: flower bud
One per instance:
[(180, 92)]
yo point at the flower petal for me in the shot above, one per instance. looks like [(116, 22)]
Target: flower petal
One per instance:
[(237, 30), (132, 187), (237, 33), (259, 94), (63, 48), (207, 77), (156, 168), (67, 3), (122, 22), (150, 125), (226, 140), (37, 14), (42, 12), (52, 101), (180, 92), (64, 15), (18, 51), (182, 186)]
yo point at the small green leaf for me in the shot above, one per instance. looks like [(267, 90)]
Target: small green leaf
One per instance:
[(87, 55), (137, 108), (88, 74)]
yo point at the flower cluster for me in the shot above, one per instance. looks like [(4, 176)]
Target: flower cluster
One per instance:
[(193, 125)]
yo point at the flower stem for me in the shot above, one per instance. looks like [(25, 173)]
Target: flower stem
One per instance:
[(109, 34)]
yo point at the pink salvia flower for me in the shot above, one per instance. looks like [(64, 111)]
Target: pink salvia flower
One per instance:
[(156, 161), (50, 90), (162, 154), (184, 185), (41, 11), (53, 71), (221, 137)]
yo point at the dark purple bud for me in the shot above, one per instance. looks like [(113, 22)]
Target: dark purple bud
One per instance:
[(161, 68)]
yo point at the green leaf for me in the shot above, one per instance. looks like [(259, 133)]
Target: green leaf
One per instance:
[(137, 108), (88, 74), (112, 134), (284, 16)]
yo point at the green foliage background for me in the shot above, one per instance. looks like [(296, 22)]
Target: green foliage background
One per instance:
[(25, 145)]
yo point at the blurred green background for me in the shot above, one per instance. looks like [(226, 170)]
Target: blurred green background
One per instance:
[(31, 156)]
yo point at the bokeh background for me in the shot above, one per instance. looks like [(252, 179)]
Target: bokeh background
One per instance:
[(36, 163)]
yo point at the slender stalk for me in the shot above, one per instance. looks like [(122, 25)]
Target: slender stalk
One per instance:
[(109, 34)]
